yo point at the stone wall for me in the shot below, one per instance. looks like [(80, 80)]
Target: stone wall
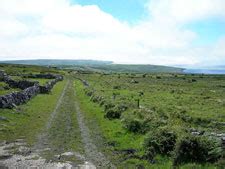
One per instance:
[(17, 98), (47, 88), (29, 89), (44, 76)]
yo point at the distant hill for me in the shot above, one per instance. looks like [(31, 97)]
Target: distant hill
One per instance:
[(99, 66), (49, 62), (137, 68)]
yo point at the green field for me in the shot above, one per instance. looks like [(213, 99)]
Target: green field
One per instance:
[(133, 120)]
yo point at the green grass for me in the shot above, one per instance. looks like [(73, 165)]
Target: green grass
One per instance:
[(16, 69), (29, 119), (41, 81), (4, 91)]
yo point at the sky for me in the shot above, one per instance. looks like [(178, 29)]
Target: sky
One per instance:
[(189, 33)]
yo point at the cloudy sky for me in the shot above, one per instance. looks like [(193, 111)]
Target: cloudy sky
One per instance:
[(164, 32)]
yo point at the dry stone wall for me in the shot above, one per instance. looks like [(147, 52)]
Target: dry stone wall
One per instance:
[(29, 89)]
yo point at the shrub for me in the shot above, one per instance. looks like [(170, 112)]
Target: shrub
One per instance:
[(134, 81), (117, 87), (96, 99), (134, 125), (142, 120), (89, 92), (136, 122), (108, 105), (197, 149), (144, 75), (113, 113), (102, 102), (161, 141)]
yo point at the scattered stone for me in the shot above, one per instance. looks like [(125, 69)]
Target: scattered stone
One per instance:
[(24, 150), (58, 157), (220, 135), (3, 118), (19, 159), (134, 81), (87, 165), (68, 154), (5, 156), (197, 133), (3, 143), (19, 140)]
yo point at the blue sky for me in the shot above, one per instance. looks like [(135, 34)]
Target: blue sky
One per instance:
[(162, 32), (208, 31), (126, 10)]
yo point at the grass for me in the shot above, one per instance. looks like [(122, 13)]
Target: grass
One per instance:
[(41, 81), (187, 101), (14, 69), (29, 119), (5, 89)]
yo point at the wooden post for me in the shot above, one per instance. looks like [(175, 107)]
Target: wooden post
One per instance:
[(138, 103)]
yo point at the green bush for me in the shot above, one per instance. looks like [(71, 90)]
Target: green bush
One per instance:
[(117, 87), (160, 141), (96, 99), (135, 121), (113, 113), (134, 125), (197, 149), (89, 92), (142, 120), (108, 105)]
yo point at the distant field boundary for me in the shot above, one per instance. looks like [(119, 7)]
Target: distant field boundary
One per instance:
[(29, 89)]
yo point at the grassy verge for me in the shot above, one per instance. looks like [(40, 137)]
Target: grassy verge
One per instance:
[(29, 119)]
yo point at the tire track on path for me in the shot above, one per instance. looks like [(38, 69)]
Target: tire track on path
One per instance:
[(42, 140)]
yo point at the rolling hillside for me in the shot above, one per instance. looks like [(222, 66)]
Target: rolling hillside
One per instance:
[(99, 66)]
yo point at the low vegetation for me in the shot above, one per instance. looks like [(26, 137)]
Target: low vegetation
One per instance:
[(176, 119)]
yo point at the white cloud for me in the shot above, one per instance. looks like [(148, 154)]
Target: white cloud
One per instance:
[(57, 29), (186, 10)]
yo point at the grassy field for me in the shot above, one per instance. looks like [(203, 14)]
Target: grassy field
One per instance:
[(13, 69), (182, 103)]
